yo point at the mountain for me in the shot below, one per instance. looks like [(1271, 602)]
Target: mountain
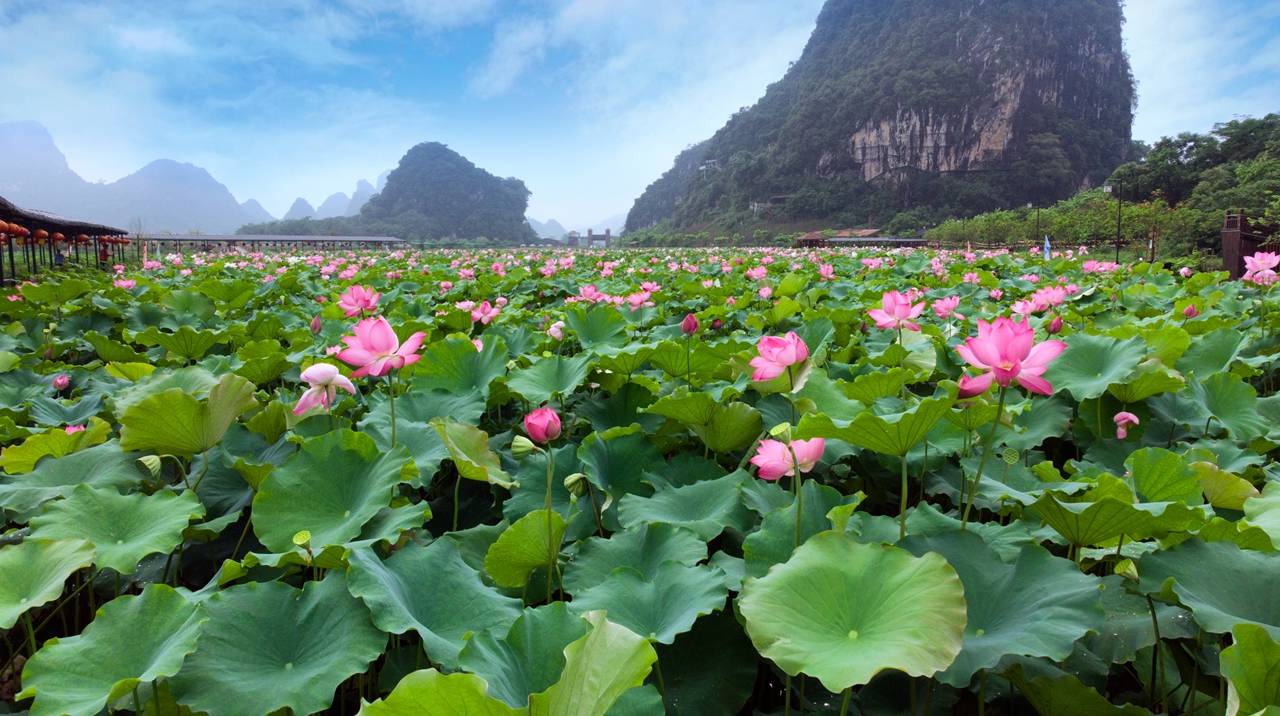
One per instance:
[(254, 212), (364, 191), (163, 196), (301, 209), (335, 205), (551, 229), (615, 223), (910, 111), (434, 194)]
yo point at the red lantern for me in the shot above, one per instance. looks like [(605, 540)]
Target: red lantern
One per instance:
[(82, 239), (41, 235)]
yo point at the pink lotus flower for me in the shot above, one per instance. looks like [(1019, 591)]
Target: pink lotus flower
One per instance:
[(61, 381), (689, 325), (897, 312), (542, 425), (485, 313), (357, 300), (1191, 311), (1006, 351), (826, 272), (773, 457), (556, 331), (1123, 420), (944, 308), (324, 380), (73, 429), (777, 354), (125, 283), (479, 344), (376, 350), (1185, 272), (765, 292)]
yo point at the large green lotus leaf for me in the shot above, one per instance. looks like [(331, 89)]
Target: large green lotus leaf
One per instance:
[(1160, 475), (732, 427), (524, 547), (869, 388), (1220, 583), (414, 412), (1251, 666), (843, 611), (104, 466), (193, 380), (1232, 402), (186, 343), (660, 605), (687, 408), (432, 591), (122, 528), (1091, 363), (528, 657), (709, 670), (56, 292), (19, 387), (599, 668), (455, 365), (642, 701), (530, 491), (55, 443), (468, 447), (32, 573), (615, 460), (1221, 488), (775, 540), (1263, 511), (705, 508), (1240, 532), (268, 646), (132, 640), (1105, 519), (175, 422), (549, 377), (679, 359), (1152, 378), (1128, 625), (642, 548), (1037, 606), (1044, 419), (430, 693), (331, 487), (1065, 694), (597, 327), (50, 412), (1212, 353), (892, 435)]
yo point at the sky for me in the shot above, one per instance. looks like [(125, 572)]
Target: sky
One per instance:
[(587, 101)]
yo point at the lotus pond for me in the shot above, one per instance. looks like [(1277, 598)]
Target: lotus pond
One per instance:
[(701, 482)]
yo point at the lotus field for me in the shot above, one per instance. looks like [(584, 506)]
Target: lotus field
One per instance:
[(699, 482)]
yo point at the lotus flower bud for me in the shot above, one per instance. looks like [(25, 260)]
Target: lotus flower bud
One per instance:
[(316, 324), (521, 447), (576, 484), (1055, 326), (689, 325), (1191, 311)]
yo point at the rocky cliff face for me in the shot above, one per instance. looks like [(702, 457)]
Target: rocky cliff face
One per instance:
[(1023, 100)]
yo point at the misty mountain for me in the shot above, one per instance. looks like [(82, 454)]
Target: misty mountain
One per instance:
[(335, 205), (164, 196), (363, 193), (254, 211), (301, 209), (550, 229)]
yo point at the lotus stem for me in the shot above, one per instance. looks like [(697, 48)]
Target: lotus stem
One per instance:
[(844, 700), (551, 547), (982, 464), (902, 501), (391, 385), (31, 632), (457, 488), (796, 484)]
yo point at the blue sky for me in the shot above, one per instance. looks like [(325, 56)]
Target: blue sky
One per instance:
[(587, 101)]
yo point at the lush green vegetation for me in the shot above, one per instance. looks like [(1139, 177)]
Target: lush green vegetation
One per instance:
[(1179, 189), (434, 196), (873, 62), (633, 483)]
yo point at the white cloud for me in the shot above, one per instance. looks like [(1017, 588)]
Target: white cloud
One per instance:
[(1198, 63)]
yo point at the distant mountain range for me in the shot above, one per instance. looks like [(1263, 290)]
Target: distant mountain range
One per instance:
[(167, 196)]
